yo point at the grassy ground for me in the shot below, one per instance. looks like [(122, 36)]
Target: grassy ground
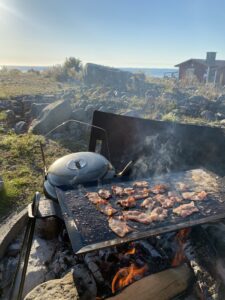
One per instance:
[(22, 168), (18, 83)]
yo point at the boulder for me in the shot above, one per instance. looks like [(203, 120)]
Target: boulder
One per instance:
[(208, 115), (10, 117), (36, 109), (55, 289), (52, 115), (20, 127)]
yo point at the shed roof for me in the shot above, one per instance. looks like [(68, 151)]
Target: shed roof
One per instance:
[(218, 63)]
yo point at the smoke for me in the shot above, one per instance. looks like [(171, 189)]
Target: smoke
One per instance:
[(160, 154)]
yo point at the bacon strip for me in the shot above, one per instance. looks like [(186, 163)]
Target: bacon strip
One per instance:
[(105, 194), (128, 202), (186, 209), (106, 209), (119, 226), (159, 189), (95, 198), (117, 190), (195, 196), (140, 184), (148, 203), (137, 216)]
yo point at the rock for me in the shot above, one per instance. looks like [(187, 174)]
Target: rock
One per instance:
[(208, 115), (36, 109), (20, 127), (63, 288), (40, 256), (220, 116), (79, 114), (14, 249), (106, 76), (52, 115), (222, 122), (10, 117)]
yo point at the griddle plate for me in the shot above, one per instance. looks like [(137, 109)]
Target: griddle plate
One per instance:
[(88, 228)]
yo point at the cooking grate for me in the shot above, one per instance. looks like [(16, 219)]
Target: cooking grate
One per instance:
[(88, 228)]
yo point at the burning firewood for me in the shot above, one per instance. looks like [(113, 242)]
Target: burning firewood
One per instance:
[(160, 286)]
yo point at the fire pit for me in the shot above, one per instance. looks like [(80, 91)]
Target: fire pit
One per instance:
[(159, 255)]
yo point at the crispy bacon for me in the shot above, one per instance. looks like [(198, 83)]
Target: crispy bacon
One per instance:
[(148, 203), (140, 184), (195, 196), (182, 186), (117, 190), (95, 198), (166, 201), (186, 209), (119, 226), (158, 214), (106, 209), (105, 194), (128, 202), (137, 216), (128, 191), (159, 189)]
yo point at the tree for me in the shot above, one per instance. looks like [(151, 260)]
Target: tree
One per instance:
[(73, 64)]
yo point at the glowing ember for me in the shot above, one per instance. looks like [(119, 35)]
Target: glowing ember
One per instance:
[(181, 238), (131, 251), (127, 275)]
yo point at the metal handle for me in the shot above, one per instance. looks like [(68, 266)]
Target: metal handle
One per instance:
[(20, 275)]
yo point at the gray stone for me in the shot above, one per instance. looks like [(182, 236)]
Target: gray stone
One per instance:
[(10, 117), (13, 249), (52, 115), (220, 116), (20, 127), (63, 288), (36, 108), (208, 115), (79, 114)]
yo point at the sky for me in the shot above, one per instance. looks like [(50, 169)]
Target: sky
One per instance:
[(119, 33)]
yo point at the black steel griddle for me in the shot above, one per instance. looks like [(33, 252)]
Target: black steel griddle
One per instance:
[(88, 228)]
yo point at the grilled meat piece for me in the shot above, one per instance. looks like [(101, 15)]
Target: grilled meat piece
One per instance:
[(106, 209), (186, 209), (140, 184), (128, 202), (159, 189), (137, 216), (148, 203), (128, 191), (95, 198), (166, 201), (117, 190), (105, 194), (119, 226), (158, 214), (141, 195), (195, 196), (182, 186)]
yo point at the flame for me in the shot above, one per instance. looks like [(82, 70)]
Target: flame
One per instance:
[(127, 275), (131, 251), (181, 238)]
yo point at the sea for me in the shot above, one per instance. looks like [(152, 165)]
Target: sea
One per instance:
[(151, 72)]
